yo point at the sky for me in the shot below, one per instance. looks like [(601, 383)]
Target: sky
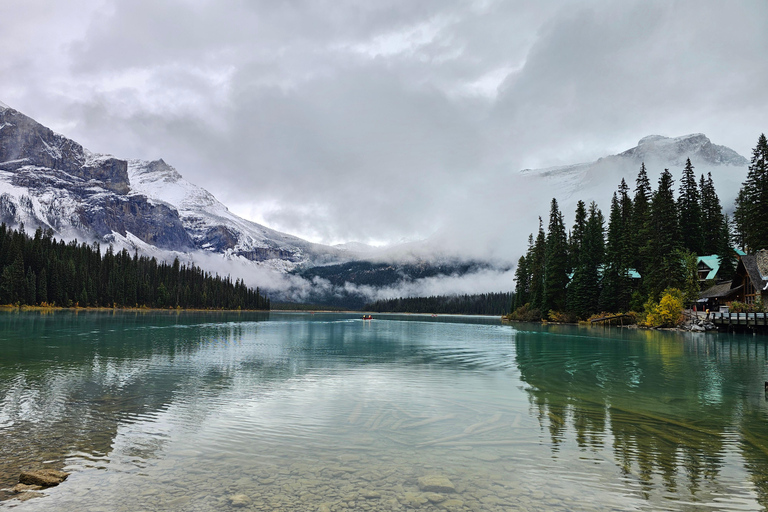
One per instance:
[(385, 121)]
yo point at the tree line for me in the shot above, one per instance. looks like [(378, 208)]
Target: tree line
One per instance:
[(40, 270), (477, 304), (650, 244)]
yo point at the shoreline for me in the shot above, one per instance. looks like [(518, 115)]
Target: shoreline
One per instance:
[(11, 307)]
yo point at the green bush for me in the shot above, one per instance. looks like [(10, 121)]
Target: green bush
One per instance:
[(525, 313)]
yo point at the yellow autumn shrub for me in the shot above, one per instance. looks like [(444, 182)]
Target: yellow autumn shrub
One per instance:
[(668, 312)]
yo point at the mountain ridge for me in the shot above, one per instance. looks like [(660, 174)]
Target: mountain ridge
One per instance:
[(50, 181), (598, 178)]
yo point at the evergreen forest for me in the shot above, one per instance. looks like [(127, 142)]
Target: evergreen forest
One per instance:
[(478, 304), (649, 244), (42, 271)]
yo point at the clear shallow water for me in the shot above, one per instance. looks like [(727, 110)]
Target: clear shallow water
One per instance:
[(300, 412)]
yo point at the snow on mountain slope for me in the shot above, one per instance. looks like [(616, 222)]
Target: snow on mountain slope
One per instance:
[(50, 181), (214, 228), (597, 180)]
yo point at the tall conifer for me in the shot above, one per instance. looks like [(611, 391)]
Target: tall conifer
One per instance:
[(556, 261), (616, 285), (536, 268), (577, 235), (641, 205), (664, 238), (711, 217), (751, 215), (584, 289), (689, 212), (725, 250)]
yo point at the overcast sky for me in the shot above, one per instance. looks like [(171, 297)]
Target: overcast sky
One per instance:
[(384, 120)]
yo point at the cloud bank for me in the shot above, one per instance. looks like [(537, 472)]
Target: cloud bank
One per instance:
[(391, 120)]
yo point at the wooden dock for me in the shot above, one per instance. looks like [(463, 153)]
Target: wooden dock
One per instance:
[(727, 320)]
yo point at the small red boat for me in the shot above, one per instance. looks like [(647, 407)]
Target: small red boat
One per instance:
[(367, 317)]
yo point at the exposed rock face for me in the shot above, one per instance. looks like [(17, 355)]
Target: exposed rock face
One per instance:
[(158, 225), (26, 143), (676, 150), (49, 181)]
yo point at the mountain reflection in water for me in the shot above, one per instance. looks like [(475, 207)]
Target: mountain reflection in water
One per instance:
[(183, 410)]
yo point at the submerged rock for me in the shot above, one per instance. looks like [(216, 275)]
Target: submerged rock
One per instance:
[(370, 495), (436, 483), (434, 497), (29, 495), (43, 477), (24, 488), (239, 500)]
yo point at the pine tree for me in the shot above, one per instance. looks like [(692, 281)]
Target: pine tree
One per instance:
[(556, 262), (536, 268), (616, 285), (584, 288), (641, 207), (689, 212), (711, 217), (577, 235), (522, 281), (664, 239), (13, 283), (30, 296), (725, 252), (42, 286), (751, 215)]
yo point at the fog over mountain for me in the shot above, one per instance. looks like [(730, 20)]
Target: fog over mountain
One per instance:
[(51, 182), (392, 122)]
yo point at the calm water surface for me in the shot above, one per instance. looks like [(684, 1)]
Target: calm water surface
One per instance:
[(328, 412)]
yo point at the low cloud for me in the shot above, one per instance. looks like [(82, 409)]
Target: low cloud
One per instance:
[(390, 120)]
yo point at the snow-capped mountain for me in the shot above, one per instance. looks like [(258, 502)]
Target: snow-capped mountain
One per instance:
[(597, 180), (50, 181), (213, 228)]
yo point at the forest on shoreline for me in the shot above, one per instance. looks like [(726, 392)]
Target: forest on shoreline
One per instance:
[(648, 251), (41, 271), (476, 304)]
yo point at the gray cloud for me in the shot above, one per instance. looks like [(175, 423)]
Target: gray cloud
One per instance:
[(388, 120)]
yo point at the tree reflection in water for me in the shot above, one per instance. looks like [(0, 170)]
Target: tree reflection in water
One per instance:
[(666, 408)]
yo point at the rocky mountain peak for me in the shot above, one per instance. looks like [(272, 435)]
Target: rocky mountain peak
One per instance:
[(675, 150), (25, 144)]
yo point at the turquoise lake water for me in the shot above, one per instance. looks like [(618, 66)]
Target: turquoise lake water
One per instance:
[(282, 411)]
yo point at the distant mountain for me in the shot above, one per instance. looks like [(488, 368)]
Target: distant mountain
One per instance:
[(597, 180), (50, 181)]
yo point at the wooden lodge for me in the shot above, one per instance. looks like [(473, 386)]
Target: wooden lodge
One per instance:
[(749, 286)]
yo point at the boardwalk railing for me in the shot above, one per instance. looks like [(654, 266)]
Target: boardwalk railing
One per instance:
[(739, 319)]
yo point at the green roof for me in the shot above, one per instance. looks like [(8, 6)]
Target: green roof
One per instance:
[(713, 262)]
